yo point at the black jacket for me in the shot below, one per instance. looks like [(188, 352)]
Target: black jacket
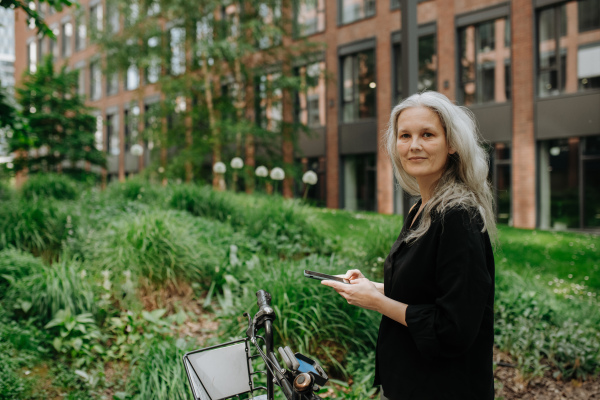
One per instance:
[(447, 279)]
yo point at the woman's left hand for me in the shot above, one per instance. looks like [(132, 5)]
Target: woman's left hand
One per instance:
[(359, 292)]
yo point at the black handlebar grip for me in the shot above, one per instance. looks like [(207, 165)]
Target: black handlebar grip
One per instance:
[(263, 299)]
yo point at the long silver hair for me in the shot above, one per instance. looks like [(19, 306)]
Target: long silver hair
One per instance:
[(464, 181)]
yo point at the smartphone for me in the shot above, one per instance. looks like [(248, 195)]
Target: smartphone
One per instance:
[(320, 276)]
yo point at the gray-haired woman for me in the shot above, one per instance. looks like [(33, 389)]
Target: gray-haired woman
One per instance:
[(436, 334)]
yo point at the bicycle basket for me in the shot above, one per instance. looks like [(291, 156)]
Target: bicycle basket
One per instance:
[(222, 371)]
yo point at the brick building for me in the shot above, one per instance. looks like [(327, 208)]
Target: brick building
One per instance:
[(528, 69)]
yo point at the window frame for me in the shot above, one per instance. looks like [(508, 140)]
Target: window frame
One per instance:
[(340, 12)]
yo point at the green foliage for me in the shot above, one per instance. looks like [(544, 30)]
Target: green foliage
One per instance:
[(36, 225), (44, 186), (542, 332), (61, 127), (162, 246), (15, 266), (6, 191), (278, 225), (46, 290), (311, 318), (158, 373), (136, 189), (76, 336)]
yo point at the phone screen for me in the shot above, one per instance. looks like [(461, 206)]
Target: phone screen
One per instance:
[(321, 276)]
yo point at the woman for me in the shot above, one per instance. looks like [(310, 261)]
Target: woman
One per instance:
[(436, 334)]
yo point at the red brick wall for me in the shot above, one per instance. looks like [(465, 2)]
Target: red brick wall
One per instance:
[(523, 158)]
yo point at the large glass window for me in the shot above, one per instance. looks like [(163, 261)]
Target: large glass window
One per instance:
[(309, 16), (311, 99), (427, 66), (112, 83), (269, 111), (354, 10), (153, 69), (95, 81), (358, 86), (81, 35), (359, 182), (501, 175), (591, 181), (67, 37), (112, 134), (32, 54), (132, 78), (568, 48), (485, 62), (96, 19), (270, 16), (81, 82), (131, 127), (177, 42)]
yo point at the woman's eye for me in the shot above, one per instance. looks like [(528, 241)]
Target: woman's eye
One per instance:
[(427, 134), (404, 136)]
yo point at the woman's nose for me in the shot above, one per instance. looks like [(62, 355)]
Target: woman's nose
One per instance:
[(415, 144)]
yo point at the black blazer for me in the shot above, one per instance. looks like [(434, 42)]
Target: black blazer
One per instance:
[(447, 279)]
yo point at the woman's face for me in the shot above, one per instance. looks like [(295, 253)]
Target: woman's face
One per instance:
[(421, 144)]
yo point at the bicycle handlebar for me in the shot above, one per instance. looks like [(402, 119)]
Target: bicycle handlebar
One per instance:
[(263, 300)]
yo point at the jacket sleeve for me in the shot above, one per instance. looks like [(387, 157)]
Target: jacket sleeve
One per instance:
[(463, 285)]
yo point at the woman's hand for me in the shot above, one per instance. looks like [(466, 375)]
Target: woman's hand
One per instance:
[(353, 274), (360, 292)]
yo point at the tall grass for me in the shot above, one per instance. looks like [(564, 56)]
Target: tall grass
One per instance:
[(6, 191), (311, 318), (37, 226), (40, 291), (280, 226), (162, 246), (158, 372), (45, 186)]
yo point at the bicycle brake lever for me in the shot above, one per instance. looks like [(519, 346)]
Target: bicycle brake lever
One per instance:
[(285, 357), (293, 360), (250, 330)]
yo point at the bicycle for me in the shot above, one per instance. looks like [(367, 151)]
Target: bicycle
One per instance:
[(225, 371)]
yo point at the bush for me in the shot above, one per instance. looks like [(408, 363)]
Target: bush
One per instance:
[(45, 186), (541, 332), (6, 191), (158, 372), (136, 189), (279, 225), (40, 291), (163, 246), (311, 318), (38, 226)]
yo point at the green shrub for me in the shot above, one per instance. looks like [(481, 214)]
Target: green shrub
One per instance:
[(279, 226), (14, 266), (136, 189), (45, 186), (46, 289), (6, 191), (159, 245), (158, 373), (38, 226), (311, 318), (541, 332)]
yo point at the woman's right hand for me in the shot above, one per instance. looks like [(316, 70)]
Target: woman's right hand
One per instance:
[(352, 274)]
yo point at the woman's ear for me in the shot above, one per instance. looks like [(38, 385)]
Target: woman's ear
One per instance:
[(451, 150)]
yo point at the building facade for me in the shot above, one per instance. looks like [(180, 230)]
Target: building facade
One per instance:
[(528, 69)]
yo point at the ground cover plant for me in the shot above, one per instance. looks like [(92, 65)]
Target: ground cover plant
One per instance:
[(101, 293)]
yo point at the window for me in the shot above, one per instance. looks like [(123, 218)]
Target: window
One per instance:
[(67, 37), (98, 134), (96, 19), (81, 35), (501, 179), (560, 44), (133, 13), (354, 10), (31, 22), (485, 62), (268, 102), (112, 17), (132, 78), (358, 86), (359, 182), (112, 134), (309, 17), (310, 101), (81, 83), (53, 45), (131, 127), (271, 17), (153, 69), (427, 66), (588, 15), (177, 42), (95, 81), (112, 83), (32, 53)]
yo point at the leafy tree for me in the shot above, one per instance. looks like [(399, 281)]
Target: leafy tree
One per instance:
[(60, 135), (224, 72), (34, 14)]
